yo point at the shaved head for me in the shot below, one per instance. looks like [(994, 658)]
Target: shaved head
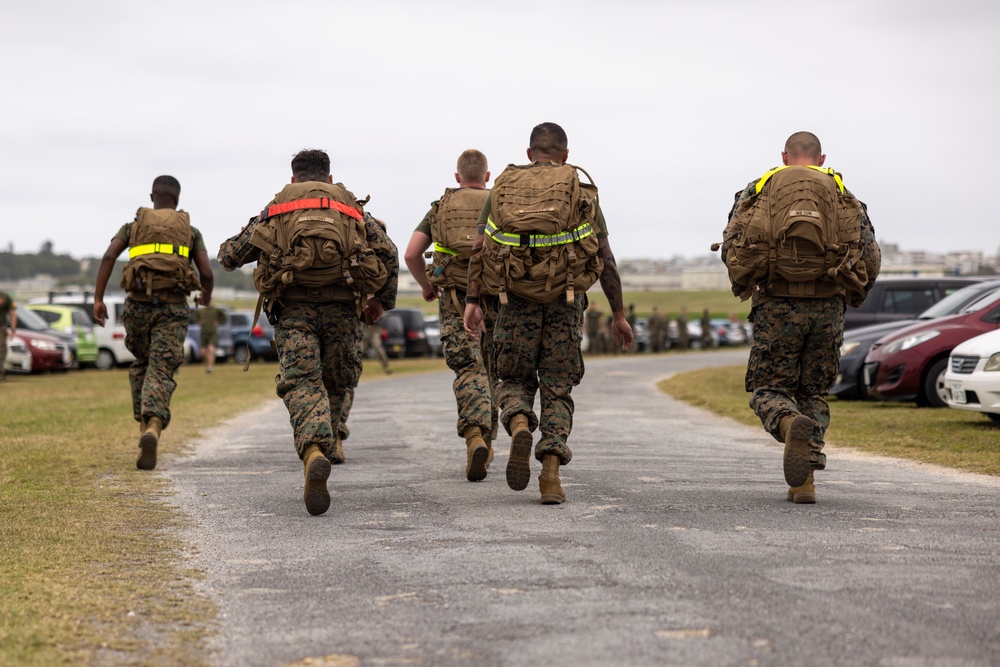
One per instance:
[(803, 145), (166, 191), (548, 139)]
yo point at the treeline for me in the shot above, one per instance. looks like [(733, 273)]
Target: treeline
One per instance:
[(83, 272)]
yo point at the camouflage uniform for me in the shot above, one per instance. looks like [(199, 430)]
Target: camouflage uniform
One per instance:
[(795, 349), (155, 334), (463, 355), (318, 345), (490, 306), (537, 350), (6, 306)]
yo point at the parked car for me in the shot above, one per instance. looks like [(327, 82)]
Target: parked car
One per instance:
[(972, 381), (729, 332), (225, 347), (45, 352), (894, 298), (28, 320), (111, 350), (403, 333), (256, 343), (71, 320), (850, 382), (909, 364), (432, 329), (641, 334)]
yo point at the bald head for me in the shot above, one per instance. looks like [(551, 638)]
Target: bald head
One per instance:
[(803, 148)]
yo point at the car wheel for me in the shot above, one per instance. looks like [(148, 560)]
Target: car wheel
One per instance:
[(241, 354), (105, 359), (934, 393), (993, 416)]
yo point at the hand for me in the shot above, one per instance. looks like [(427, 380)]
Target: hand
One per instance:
[(474, 322), (373, 310), (431, 293), (100, 313), (623, 334)]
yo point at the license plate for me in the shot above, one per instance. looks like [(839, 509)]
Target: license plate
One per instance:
[(957, 393), (397, 348), (868, 376)]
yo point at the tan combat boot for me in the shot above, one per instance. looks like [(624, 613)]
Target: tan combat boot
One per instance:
[(476, 454), (489, 456), (795, 431), (518, 465), (317, 470), (803, 494), (548, 481), (147, 444), (337, 457)]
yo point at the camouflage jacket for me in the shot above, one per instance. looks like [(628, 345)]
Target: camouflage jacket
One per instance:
[(871, 253), (238, 251)]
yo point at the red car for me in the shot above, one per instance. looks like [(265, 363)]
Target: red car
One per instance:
[(45, 352), (909, 364)]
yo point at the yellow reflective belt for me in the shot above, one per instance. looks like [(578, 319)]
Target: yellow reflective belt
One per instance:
[(828, 171), (164, 248), (440, 248), (538, 240)]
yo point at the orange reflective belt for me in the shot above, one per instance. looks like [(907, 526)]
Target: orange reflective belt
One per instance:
[(306, 204)]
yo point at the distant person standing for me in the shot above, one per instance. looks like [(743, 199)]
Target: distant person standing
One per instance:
[(682, 330), (630, 318), (450, 225), (7, 309), (528, 221), (706, 331), (209, 317), (164, 250), (657, 330), (592, 323), (372, 340), (800, 290)]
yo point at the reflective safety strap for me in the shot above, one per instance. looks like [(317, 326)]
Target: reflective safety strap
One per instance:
[(443, 249), (162, 248), (538, 240), (308, 204), (827, 170)]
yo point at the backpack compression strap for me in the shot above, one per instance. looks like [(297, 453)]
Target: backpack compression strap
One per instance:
[(308, 204), (162, 248)]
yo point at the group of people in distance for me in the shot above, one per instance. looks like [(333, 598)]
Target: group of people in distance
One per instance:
[(510, 269)]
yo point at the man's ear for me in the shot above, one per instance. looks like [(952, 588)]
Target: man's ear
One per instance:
[(293, 180), (458, 179), (329, 179)]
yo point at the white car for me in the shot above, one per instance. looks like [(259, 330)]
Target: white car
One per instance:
[(18, 356), (972, 380), (111, 350)]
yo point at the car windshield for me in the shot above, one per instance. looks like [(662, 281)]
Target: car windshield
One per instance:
[(955, 301), (31, 320), (986, 301)]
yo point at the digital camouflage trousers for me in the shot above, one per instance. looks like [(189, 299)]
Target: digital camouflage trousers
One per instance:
[(794, 360), (154, 334), (319, 367), (536, 349), (471, 385)]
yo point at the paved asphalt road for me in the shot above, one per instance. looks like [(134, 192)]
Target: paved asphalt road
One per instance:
[(676, 546)]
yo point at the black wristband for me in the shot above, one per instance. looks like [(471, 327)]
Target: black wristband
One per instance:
[(471, 299)]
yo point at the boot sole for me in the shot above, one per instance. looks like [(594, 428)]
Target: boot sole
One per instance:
[(801, 498), (477, 466), (552, 499), (796, 456), (317, 497), (518, 467), (147, 453)]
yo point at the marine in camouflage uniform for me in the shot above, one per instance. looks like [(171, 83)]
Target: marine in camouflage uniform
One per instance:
[(156, 325), (537, 348), (318, 344), (473, 385), (7, 309), (795, 348)]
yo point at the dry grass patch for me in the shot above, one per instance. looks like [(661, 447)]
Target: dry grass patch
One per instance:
[(947, 437)]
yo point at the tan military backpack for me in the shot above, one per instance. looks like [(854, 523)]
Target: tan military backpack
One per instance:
[(798, 235), (454, 218), (314, 247), (159, 254), (541, 238)]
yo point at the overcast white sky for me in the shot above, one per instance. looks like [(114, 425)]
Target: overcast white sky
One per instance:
[(671, 106)]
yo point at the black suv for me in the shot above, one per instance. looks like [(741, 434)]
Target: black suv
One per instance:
[(904, 298), (403, 333)]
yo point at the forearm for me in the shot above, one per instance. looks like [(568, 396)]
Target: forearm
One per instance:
[(611, 282), (477, 249)]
